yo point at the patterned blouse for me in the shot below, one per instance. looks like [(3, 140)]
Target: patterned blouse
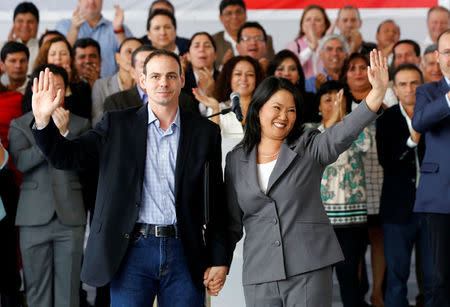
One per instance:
[(343, 186)]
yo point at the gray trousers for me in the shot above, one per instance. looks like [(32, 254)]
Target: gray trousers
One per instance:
[(312, 289), (51, 257)]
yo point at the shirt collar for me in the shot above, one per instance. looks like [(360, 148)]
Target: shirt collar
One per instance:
[(142, 94), (152, 117), (229, 39), (447, 80)]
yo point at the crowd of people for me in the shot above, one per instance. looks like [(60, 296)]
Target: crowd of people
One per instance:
[(342, 146)]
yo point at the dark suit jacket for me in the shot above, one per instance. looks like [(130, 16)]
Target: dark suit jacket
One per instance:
[(222, 46), (432, 118), (118, 146), (398, 161), (130, 98)]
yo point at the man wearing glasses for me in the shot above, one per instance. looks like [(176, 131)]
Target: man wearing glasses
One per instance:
[(252, 42)]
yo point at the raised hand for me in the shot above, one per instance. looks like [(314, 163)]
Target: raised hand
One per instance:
[(208, 101), (119, 17), (45, 98), (313, 41), (228, 55), (61, 119), (338, 110), (320, 79), (378, 78), (78, 18), (206, 81)]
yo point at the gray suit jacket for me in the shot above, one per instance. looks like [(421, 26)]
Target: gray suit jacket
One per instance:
[(102, 88), (222, 46), (287, 230), (45, 190)]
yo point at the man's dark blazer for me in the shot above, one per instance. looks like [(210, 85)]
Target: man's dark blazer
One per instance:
[(398, 161), (432, 119), (118, 147), (130, 98)]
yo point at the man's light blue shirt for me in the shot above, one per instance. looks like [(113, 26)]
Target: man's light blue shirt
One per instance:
[(446, 96), (142, 94), (104, 34), (310, 83), (158, 193)]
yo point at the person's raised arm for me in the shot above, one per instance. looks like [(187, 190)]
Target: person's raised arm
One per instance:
[(378, 78), (45, 98)]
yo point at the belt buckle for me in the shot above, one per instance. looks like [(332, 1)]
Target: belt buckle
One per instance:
[(157, 231)]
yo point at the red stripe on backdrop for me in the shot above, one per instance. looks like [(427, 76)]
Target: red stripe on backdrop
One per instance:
[(332, 4)]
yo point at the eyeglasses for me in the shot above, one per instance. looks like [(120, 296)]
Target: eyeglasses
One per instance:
[(445, 53), (255, 38), (236, 13)]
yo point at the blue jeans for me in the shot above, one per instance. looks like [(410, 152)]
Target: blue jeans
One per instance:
[(399, 240), (155, 267)]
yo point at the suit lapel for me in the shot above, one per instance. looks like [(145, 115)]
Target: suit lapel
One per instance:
[(250, 171), (443, 86), (139, 130), (285, 158), (186, 134)]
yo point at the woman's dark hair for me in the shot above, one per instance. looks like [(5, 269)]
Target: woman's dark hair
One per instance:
[(279, 58), (325, 17), (262, 94), (331, 86), (223, 83), (56, 70), (350, 59), (213, 43)]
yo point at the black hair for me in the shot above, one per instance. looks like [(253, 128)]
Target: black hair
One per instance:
[(409, 42), (54, 32), (145, 47), (279, 58), (86, 42), (161, 12), (26, 7), (251, 24), (161, 1), (162, 52), (407, 66), (262, 94), (13, 47), (131, 38), (213, 43), (331, 86), (225, 3), (56, 70)]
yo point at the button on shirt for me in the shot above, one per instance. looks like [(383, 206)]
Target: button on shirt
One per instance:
[(104, 34), (158, 192)]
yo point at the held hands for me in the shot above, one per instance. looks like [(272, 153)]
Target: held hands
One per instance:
[(61, 119), (45, 99), (378, 76), (119, 17), (415, 136), (214, 279)]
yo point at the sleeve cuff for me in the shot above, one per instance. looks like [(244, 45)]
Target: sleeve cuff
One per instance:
[(410, 143), (66, 134)]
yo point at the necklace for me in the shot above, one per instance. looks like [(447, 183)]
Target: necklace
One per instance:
[(274, 155)]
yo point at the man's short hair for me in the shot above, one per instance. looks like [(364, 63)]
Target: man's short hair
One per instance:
[(409, 42), (225, 3), (51, 32), (329, 37), (437, 8), (349, 7), (161, 12), (161, 1), (162, 52), (251, 24), (430, 49), (131, 38), (86, 42), (142, 48), (26, 7), (14, 47), (407, 66), (386, 21), (442, 34)]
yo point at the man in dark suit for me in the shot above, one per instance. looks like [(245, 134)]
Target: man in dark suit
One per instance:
[(432, 118), (400, 150), (136, 95), (148, 236)]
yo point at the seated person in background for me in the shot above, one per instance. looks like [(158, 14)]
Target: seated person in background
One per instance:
[(241, 74), (87, 60), (87, 21), (24, 30), (349, 22), (333, 49), (438, 20), (313, 25), (233, 15), (430, 66), (50, 213), (388, 33), (162, 31), (252, 42), (200, 71), (58, 51), (285, 64), (14, 63), (121, 81), (181, 42), (48, 35)]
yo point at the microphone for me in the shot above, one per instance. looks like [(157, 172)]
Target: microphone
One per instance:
[(236, 105)]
